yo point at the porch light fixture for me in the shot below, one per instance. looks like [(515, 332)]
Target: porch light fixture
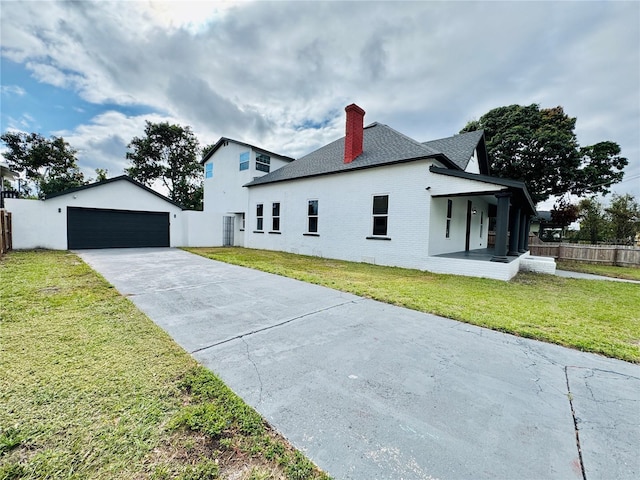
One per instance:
[(474, 211)]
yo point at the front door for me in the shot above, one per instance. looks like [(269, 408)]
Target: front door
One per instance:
[(227, 232)]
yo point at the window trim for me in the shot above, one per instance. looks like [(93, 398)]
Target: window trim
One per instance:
[(259, 217), (246, 162), (263, 162), (447, 231), (375, 215), (275, 217), (310, 216), (208, 170)]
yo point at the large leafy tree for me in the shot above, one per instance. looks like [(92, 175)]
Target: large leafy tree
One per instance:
[(539, 146), (170, 154), (50, 163)]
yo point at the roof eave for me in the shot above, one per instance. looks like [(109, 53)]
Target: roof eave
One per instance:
[(511, 184)]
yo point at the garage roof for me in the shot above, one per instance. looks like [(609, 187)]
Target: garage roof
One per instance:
[(111, 180)]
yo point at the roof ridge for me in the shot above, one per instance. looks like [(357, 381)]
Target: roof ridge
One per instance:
[(412, 140), (455, 135)]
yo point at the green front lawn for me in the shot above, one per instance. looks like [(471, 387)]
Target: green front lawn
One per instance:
[(595, 316), (91, 388), (627, 273)]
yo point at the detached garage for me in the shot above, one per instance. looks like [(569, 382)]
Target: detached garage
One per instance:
[(115, 213)]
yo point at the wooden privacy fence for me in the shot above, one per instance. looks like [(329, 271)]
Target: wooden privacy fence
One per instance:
[(5, 232), (620, 255)]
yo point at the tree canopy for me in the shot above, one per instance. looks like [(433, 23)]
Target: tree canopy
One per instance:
[(539, 147), (50, 164), (169, 153), (624, 217)]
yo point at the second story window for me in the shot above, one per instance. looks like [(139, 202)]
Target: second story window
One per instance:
[(259, 217), (244, 161), (275, 217), (263, 162), (208, 170)]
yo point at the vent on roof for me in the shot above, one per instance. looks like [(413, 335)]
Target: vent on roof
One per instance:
[(354, 133)]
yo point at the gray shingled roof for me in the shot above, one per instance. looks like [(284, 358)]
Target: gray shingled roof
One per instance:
[(382, 145), (459, 148)]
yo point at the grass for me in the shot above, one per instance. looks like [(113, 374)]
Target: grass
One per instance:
[(91, 388), (594, 316), (627, 273)]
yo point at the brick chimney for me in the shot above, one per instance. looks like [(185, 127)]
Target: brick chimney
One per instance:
[(354, 132)]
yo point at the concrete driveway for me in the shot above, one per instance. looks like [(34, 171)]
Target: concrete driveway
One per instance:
[(372, 391)]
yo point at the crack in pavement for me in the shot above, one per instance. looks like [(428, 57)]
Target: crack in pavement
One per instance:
[(575, 422), (279, 324), (256, 369)]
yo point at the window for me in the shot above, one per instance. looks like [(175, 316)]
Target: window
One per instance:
[(259, 216), (312, 214), (449, 207), (380, 214), (275, 217), (262, 162), (481, 223), (244, 161), (208, 170), (243, 221)]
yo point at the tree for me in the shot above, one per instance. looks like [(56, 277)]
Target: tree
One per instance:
[(168, 153), (623, 215), (101, 174), (593, 224), (539, 147), (50, 164), (564, 213)]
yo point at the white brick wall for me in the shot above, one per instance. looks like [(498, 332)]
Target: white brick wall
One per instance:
[(538, 264), (224, 193)]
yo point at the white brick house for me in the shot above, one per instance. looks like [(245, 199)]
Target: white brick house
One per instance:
[(373, 196)]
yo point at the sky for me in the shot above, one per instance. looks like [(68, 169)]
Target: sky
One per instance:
[(279, 74)]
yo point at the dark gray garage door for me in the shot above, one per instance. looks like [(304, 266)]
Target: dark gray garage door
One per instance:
[(103, 228)]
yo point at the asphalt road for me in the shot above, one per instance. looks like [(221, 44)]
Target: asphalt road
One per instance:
[(373, 391)]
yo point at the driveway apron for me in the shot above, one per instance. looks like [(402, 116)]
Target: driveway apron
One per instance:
[(373, 391)]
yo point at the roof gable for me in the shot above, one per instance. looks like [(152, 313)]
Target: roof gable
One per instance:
[(125, 178), (224, 141), (382, 145), (459, 148)]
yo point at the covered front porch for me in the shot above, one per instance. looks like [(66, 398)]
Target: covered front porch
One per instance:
[(509, 206)]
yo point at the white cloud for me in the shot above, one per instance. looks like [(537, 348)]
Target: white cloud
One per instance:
[(12, 90), (279, 74), (102, 143)]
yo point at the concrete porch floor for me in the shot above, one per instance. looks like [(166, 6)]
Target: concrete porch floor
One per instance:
[(481, 254)]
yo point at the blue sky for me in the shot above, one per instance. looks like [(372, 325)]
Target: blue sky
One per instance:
[(279, 74)]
